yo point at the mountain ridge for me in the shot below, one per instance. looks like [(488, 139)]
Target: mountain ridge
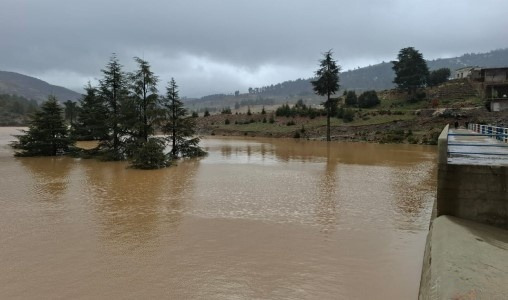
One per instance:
[(29, 87)]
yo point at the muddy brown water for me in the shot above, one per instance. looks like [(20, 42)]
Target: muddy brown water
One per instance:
[(255, 219)]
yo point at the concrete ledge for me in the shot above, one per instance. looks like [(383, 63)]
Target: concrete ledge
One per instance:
[(465, 260), (474, 192), (442, 146)]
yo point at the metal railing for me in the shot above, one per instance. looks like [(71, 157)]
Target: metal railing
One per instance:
[(479, 148), (498, 133)]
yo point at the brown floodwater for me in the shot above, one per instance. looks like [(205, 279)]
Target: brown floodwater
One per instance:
[(255, 219)]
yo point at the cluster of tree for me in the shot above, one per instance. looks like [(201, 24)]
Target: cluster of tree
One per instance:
[(368, 99), (14, 110), (122, 113), (438, 76), (299, 109)]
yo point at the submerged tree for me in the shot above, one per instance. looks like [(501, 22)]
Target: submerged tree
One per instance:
[(143, 85), (47, 134), (150, 155), (178, 126), (71, 111), (92, 121), (411, 70), (327, 84), (113, 91)]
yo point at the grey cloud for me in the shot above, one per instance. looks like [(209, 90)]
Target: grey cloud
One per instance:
[(236, 39)]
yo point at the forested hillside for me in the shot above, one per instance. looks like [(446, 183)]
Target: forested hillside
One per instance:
[(14, 110), (380, 76), (32, 88)]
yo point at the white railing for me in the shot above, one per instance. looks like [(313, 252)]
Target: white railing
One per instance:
[(498, 133)]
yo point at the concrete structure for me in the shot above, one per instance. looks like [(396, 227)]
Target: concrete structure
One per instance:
[(464, 260), (466, 254), (472, 177), (467, 72)]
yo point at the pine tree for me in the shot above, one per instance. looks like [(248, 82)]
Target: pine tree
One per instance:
[(92, 120), (179, 127), (47, 134), (144, 92), (327, 84), (71, 110), (113, 91), (411, 70)]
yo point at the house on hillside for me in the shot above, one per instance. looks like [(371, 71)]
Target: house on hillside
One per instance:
[(492, 83), (468, 73)]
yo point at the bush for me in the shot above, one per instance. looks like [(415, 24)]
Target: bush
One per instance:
[(272, 120), (226, 122), (290, 123), (348, 115), (368, 99)]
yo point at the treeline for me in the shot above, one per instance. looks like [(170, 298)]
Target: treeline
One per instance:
[(123, 113), (298, 87), (14, 110)]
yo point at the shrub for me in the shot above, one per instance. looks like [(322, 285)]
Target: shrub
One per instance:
[(226, 122), (348, 115), (368, 99)]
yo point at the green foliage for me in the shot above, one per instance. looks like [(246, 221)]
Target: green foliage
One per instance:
[(113, 92), (207, 113), (348, 115), (438, 77), (150, 155), (411, 70), (249, 113), (299, 109), (178, 126), (227, 122), (226, 111), (271, 120), (350, 98), (195, 114), (326, 84), (92, 121), (47, 134), (263, 111), (143, 91), (368, 99)]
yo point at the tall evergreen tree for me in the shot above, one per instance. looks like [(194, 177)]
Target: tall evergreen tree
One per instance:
[(71, 111), (92, 121), (327, 84), (179, 127), (411, 71), (143, 85), (113, 91), (47, 134)]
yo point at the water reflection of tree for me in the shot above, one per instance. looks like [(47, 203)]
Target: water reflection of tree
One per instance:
[(326, 210), (134, 205), (50, 175)]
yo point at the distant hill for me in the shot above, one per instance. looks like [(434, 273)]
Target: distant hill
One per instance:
[(32, 88), (380, 76)]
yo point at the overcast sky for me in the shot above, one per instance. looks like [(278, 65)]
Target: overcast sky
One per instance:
[(219, 46)]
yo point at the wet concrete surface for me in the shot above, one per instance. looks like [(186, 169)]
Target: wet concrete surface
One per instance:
[(467, 147)]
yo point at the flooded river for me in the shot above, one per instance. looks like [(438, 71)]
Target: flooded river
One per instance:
[(255, 219)]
